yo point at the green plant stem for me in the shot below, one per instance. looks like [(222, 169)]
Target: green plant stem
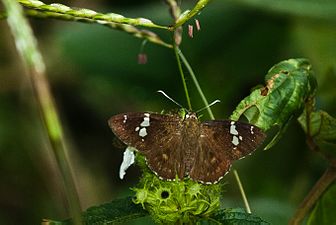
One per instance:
[(198, 87), (205, 101), (132, 30), (325, 180), (177, 55), (315, 193), (27, 48), (175, 12), (87, 14), (247, 206), (38, 9)]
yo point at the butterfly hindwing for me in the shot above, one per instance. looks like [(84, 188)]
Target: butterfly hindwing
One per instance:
[(210, 164), (157, 136)]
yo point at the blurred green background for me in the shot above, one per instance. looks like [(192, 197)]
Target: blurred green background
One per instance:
[(94, 74)]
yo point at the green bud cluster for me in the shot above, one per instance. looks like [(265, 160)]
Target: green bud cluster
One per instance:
[(178, 201)]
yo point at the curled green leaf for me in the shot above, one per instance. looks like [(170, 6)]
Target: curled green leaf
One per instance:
[(288, 84)]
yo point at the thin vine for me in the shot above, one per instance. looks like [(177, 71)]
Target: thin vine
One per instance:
[(197, 85), (177, 50)]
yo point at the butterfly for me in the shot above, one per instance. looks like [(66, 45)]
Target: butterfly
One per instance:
[(182, 146)]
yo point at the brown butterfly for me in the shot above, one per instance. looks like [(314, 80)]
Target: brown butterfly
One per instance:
[(175, 146)]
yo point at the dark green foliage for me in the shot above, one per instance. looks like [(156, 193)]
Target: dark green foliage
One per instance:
[(117, 211), (320, 126), (114, 212), (237, 216), (324, 211), (123, 210)]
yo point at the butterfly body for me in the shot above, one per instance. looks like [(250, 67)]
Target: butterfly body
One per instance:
[(184, 146)]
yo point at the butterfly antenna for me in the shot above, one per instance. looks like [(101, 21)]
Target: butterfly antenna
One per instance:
[(164, 94), (208, 106)]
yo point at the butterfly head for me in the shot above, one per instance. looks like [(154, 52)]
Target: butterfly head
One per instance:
[(185, 114), (191, 116)]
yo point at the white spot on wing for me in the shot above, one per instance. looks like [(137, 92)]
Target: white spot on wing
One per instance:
[(125, 118), (252, 129), (235, 140), (145, 122), (146, 114), (240, 138), (233, 130), (143, 132), (137, 128), (128, 160)]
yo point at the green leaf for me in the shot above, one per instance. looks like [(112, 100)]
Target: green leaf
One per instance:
[(237, 216), (324, 211), (322, 128), (117, 211), (288, 84)]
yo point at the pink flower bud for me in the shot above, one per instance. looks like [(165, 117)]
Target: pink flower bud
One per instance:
[(142, 58), (198, 25), (190, 31)]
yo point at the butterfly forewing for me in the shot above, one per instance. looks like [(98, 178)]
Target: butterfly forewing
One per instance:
[(156, 136), (221, 142), (237, 139)]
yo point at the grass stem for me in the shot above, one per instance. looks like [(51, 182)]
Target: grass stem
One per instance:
[(27, 47), (247, 206)]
